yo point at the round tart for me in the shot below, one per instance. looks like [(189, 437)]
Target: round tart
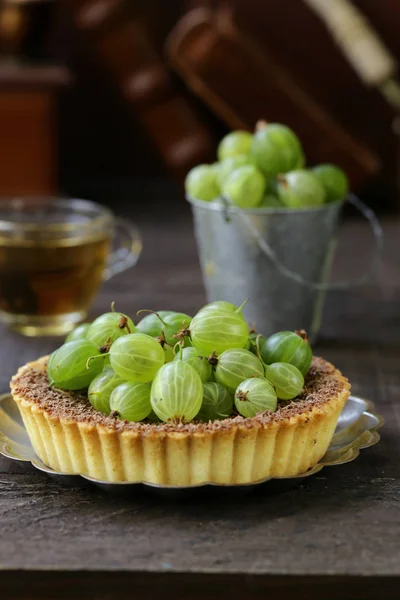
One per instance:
[(70, 436)]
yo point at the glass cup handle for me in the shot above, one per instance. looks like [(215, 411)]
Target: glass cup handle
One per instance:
[(128, 251), (376, 228)]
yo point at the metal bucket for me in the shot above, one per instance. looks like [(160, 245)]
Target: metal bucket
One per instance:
[(277, 258)]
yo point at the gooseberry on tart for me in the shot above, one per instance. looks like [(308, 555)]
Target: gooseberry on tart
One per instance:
[(220, 406)]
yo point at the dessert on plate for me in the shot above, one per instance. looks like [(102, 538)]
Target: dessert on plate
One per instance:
[(180, 401)]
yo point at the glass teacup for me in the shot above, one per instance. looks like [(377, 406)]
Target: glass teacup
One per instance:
[(54, 253)]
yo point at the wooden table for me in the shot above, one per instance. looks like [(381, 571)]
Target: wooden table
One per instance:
[(335, 535)]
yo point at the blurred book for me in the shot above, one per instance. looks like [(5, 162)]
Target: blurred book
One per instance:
[(125, 45)]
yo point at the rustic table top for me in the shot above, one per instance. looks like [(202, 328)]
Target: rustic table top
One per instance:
[(335, 534)]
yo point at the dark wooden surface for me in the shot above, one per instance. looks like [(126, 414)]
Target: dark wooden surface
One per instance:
[(335, 535)]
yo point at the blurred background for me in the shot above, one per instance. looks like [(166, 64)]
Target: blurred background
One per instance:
[(114, 100)]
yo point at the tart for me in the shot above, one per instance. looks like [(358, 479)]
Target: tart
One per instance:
[(70, 436)]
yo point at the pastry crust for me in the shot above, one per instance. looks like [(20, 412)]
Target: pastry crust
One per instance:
[(70, 436)]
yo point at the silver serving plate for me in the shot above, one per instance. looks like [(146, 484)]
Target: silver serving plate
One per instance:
[(356, 429)]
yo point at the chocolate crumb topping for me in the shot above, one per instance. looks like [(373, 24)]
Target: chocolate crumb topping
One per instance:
[(322, 383)]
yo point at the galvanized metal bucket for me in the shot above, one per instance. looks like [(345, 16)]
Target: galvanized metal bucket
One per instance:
[(278, 258)]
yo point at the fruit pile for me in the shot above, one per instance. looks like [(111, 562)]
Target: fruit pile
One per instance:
[(174, 368), (265, 169)]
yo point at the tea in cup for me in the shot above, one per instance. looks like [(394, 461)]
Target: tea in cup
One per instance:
[(54, 254)]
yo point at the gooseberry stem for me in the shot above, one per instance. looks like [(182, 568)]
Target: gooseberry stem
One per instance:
[(282, 180), (261, 124), (303, 334), (180, 344), (258, 348), (265, 367), (123, 323), (94, 356), (153, 312), (182, 333), (106, 347), (242, 396), (240, 308), (176, 420), (213, 359), (113, 306), (162, 341)]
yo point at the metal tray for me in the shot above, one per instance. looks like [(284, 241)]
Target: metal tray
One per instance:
[(356, 429)]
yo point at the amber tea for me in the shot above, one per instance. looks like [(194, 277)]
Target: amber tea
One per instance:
[(50, 278), (53, 256)]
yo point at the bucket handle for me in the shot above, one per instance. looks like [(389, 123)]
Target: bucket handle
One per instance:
[(378, 238)]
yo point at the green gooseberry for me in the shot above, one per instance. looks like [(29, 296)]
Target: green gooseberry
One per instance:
[(74, 365), (109, 327), (271, 201), (236, 365), (334, 181), (176, 392), (245, 186), (151, 324), (255, 395), (235, 143), (221, 304), (216, 330), (194, 358), (289, 347), (301, 163), (201, 183), (217, 402), (136, 357), (227, 166), (276, 149), (300, 189), (131, 401), (286, 379), (78, 333), (101, 388)]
